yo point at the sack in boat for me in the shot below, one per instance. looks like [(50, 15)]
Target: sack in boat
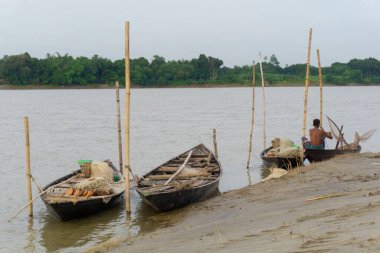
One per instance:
[(102, 169), (276, 143), (192, 172)]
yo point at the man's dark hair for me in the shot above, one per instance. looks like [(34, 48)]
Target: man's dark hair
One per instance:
[(316, 122)]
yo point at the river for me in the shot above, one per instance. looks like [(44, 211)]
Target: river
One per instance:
[(69, 125)]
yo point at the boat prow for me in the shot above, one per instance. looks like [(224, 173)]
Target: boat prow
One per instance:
[(196, 182)]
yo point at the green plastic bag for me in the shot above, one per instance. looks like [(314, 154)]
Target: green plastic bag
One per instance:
[(81, 162)]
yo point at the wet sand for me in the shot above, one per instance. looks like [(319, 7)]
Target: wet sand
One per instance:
[(279, 215)]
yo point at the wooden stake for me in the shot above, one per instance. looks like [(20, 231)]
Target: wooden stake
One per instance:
[(28, 175), (215, 144), (40, 194), (306, 93), (264, 108), (127, 115), (320, 87), (119, 128), (252, 116)]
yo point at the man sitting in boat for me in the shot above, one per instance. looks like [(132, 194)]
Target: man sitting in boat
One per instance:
[(317, 137)]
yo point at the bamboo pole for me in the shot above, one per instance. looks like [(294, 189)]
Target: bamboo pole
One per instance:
[(127, 116), (119, 128), (252, 116), (30, 203), (215, 144), (28, 175), (320, 88), (264, 107), (306, 90)]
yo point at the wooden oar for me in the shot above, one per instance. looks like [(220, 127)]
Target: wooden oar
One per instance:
[(180, 168), (40, 194)]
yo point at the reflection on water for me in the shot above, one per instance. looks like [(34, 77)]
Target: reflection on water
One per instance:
[(249, 177), (57, 235), (31, 239), (74, 234), (69, 125)]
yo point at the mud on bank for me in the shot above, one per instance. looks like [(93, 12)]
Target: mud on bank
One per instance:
[(332, 206)]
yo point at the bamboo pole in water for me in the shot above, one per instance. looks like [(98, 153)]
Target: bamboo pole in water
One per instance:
[(264, 107), (28, 175), (215, 144), (30, 203), (320, 88), (127, 115), (306, 91), (252, 116), (119, 128)]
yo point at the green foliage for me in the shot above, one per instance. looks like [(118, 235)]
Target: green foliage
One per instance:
[(66, 70)]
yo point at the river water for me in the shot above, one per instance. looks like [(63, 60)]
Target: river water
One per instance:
[(69, 125)]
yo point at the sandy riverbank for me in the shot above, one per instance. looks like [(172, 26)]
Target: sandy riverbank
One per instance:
[(278, 215)]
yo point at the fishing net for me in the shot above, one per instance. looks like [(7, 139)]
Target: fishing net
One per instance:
[(102, 169), (335, 130), (286, 148), (285, 143), (275, 173), (94, 184), (366, 136), (289, 152)]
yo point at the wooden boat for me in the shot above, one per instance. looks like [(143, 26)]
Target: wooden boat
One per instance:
[(318, 155), (69, 207), (279, 161), (196, 182)]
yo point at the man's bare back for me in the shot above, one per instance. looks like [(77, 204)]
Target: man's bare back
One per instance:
[(317, 136)]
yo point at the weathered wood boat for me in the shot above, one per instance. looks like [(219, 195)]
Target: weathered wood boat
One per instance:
[(190, 177), (318, 155), (280, 161), (66, 207)]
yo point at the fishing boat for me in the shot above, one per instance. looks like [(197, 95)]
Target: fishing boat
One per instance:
[(67, 207), (318, 155), (341, 148), (284, 162), (190, 177)]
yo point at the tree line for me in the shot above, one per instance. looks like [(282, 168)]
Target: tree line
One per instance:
[(56, 69)]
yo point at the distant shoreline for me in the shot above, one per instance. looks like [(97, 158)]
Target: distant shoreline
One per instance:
[(182, 86)]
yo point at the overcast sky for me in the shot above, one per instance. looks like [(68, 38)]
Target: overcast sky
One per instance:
[(232, 30)]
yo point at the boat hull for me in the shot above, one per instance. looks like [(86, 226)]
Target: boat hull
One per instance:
[(163, 201), (279, 162), (319, 155), (72, 210), (172, 200), (69, 210)]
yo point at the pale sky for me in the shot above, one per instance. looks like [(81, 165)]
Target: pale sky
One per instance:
[(233, 30)]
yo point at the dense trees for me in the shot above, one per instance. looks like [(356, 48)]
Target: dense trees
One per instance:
[(67, 70)]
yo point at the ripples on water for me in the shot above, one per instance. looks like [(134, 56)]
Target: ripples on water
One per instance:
[(69, 125)]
